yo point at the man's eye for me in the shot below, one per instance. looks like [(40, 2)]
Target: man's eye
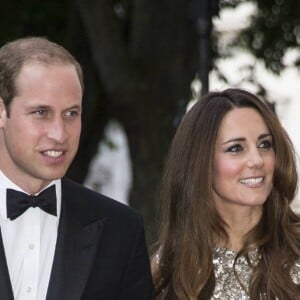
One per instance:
[(40, 112), (235, 148), (72, 113)]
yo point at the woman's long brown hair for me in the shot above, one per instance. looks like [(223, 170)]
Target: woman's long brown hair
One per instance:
[(190, 222)]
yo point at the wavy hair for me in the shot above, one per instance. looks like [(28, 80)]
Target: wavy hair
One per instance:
[(190, 222)]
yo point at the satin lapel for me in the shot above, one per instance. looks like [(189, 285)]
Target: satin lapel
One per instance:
[(6, 292), (75, 251)]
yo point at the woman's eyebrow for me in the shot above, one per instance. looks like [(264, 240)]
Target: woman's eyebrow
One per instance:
[(238, 139)]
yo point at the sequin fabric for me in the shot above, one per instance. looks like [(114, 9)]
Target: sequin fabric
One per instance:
[(295, 272), (228, 286)]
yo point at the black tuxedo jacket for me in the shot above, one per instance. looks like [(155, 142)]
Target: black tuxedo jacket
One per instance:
[(100, 251)]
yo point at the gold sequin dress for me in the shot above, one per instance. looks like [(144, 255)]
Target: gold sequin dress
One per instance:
[(228, 286)]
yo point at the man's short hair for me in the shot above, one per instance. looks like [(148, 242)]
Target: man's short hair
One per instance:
[(15, 54)]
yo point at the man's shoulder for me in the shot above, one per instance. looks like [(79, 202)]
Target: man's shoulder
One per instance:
[(87, 201)]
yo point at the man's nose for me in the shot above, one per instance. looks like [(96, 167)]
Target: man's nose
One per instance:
[(57, 130)]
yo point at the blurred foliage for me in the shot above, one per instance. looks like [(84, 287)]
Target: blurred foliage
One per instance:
[(274, 29)]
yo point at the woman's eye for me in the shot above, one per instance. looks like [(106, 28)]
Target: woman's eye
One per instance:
[(235, 148), (266, 144)]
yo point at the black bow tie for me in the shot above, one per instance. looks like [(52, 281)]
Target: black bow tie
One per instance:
[(17, 202)]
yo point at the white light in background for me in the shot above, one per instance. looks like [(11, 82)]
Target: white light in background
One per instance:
[(110, 170)]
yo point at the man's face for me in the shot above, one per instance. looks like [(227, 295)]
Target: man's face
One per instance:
[(40, 138)]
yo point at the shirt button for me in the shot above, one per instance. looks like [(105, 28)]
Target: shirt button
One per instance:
[(28, 289), (31, 246)]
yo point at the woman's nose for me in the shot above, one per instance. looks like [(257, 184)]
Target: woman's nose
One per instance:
[(255, 159)]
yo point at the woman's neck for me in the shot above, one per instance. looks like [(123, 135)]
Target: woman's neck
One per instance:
[(239, 223)]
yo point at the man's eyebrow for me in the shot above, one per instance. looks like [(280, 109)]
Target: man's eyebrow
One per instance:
[(74, 107), (37, 106), (42, 106)]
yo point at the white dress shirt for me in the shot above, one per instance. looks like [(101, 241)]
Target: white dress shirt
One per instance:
[(29, 244)]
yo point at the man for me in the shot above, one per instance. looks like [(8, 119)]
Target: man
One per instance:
[(63, 242)]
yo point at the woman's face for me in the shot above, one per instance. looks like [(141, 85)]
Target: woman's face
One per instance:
[(244, 160)]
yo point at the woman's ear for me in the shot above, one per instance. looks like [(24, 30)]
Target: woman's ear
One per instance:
[(3, 115)]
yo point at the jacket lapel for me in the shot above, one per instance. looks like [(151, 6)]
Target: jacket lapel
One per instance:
[(6, 288), (76, 247)]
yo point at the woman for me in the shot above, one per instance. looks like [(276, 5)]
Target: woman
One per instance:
[(228, 231)]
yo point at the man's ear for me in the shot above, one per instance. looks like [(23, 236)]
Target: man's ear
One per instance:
[(3, 115)]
